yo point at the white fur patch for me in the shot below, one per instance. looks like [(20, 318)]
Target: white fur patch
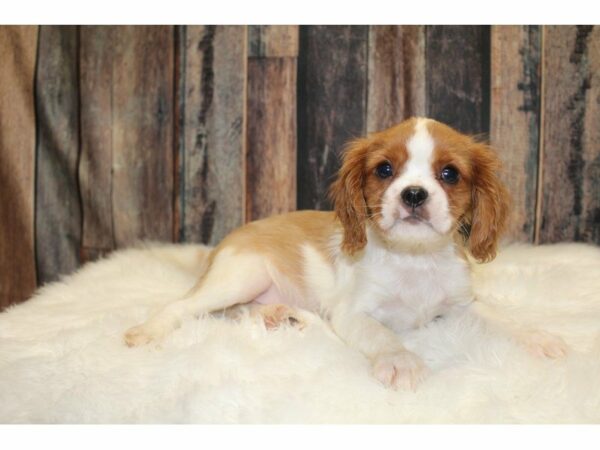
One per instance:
[(420, 146), (403, 290)]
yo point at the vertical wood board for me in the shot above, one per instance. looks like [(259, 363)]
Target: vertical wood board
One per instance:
[(271, 170), (57, 205), (214, 132), (570, 208), (271, 111), (332, 90), (142, 133), (396, 84), (457, 76), (515, 116), (17, 163), (96, 45)]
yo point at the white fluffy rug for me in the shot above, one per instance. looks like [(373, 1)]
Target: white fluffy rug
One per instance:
[(62, 357)]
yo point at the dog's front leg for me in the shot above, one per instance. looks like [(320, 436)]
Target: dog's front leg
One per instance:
[(537, 342), (393, 364)]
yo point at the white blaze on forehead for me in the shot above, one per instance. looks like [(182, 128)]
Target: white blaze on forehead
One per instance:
[(417, 171), (420, 151)]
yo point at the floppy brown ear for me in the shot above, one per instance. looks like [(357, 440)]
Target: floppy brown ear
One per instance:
[(346, 193), (489, 204)]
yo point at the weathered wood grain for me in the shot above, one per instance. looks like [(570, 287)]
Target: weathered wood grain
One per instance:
[(271, 111), (272, 41), (142, 133), (179, 131), (332, 84), (57, 205), (96, 145), (396, 85), (214, 130), (457, 74), (271, 147), (17, 163), (515, 115), (570, 200)]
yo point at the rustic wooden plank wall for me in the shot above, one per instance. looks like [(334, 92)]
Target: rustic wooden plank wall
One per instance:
[(212, 163), (17, 163), (142, 133), (396, 75), (96, 140), (332, 87), (570, 182), (182, 133), (457, 76), (515, 118), (271, 138), (57, 205)]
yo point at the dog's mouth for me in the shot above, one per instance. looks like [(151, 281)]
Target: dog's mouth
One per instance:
[(416, 216), (415, 219), (406, 219)]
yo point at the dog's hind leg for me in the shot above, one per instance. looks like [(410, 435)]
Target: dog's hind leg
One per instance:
[(232, 278)]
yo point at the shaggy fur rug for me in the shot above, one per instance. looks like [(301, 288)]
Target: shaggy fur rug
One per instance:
[(62, 356)]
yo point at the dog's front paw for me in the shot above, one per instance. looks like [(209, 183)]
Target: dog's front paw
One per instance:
[(543, 345), (141, 335), (400, 370)]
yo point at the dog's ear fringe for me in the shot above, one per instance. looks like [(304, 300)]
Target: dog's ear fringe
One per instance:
[(490, 204), (346, 194)]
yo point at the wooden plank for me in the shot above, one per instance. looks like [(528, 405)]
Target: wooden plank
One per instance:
[(515, 115), (17, 163), (214, 130), (396, 86), (179, 132), (142, 133), (271, 137), (272, 41), (570, 182), (458, 76), (96, 115), (57, 206), (332, 83)]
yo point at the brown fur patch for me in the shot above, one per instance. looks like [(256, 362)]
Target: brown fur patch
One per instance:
[(358, 191), (479, 201), (280, 238)]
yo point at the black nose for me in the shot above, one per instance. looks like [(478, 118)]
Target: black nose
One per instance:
[(414, 196)]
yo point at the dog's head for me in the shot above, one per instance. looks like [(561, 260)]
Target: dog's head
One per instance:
[(420, 183)]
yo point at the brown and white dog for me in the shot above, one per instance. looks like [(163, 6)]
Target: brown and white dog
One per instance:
[(410, 201)]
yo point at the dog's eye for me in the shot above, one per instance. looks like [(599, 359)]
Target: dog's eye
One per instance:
[(449, 175), (384, 170)]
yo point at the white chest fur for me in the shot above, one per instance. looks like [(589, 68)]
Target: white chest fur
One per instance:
[(399, 289), (404, 291)]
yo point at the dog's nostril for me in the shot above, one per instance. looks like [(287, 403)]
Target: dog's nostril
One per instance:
[(414, 196)]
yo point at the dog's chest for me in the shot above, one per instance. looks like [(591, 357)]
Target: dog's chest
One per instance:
[(408, 291)]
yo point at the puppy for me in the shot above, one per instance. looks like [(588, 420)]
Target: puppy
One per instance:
[(411, 203)]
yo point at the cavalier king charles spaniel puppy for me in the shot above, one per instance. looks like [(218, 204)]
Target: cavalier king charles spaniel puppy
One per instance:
[(411, 204)]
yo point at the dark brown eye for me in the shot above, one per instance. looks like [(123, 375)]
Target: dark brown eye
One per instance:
[(449, 175), (384, 170)]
